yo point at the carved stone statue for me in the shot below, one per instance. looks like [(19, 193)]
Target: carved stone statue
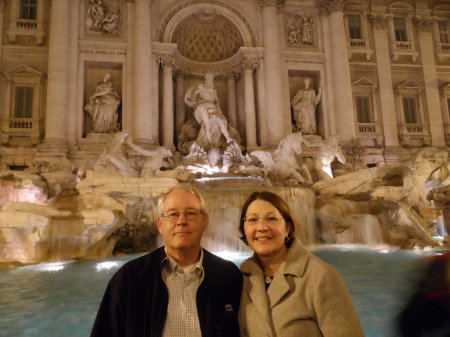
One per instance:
[(307, 31), (213, 124), (96, 13), (111, 22), (98, 20), (282, 166), (103, 105), (114, 157), (154, 158), (304, 105), (300, 30), (328, 150)]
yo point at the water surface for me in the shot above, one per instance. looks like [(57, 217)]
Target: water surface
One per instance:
[(61, 299)]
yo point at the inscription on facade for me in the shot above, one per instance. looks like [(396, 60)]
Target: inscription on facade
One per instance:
[(103, 52)]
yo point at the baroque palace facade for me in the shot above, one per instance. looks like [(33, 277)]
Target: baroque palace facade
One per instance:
[(377, 70)]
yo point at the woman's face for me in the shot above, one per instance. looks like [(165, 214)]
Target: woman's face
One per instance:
[(265, 229)]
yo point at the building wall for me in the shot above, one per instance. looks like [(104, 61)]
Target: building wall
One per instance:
[(139, 51)]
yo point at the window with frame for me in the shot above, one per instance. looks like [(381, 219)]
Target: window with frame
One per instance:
[(400, 29), (363, 109), (355, 26), (410, 110), (28, 9), (443, 27), (448, 106), (23, 102)]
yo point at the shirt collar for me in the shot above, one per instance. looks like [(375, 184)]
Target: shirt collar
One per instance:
[(173, 266)]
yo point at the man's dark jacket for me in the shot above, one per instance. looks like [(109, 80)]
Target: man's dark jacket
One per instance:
[(136, 299)]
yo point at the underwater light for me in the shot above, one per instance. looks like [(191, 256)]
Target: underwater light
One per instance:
[(106, 265)]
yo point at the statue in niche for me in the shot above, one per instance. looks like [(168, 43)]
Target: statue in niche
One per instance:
[(213, 124), (304, 105), (101, 20), (103, 105)]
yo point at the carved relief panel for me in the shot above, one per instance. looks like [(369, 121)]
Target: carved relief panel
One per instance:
[(300, 30), (104, 17)]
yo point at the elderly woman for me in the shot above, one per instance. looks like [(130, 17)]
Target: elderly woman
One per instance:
[(288, 291)]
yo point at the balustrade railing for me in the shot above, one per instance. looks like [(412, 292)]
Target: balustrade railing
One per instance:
[(23, 24), (357, 43), (368, 128), (444, 47), (23, 124), (403, 45), (416, 129)]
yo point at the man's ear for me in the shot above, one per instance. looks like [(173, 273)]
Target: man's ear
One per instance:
[(159, 224), (205, 220)]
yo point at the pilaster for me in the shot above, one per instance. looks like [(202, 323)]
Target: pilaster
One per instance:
[(340, 69), (380, 26), (424, 25)]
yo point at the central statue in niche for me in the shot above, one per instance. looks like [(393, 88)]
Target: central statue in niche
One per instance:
[(213, 124)]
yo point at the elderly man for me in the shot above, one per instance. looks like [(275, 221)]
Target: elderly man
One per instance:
[(177, 290)]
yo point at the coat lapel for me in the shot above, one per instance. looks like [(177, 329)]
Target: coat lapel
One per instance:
[(277, 290), (258, 295)]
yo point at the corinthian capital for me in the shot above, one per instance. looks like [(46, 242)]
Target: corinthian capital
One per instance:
[(271, 3), (250, 63), (164, 59), (379, 21), (424, 23), (330, 6)]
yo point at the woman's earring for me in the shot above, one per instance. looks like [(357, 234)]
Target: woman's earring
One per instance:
[(287, 239)]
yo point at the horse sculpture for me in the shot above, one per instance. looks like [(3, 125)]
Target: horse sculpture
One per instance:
[(282, 166)]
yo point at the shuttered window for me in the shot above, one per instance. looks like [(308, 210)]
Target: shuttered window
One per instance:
[(410, 110), (363, 110), (23, 107), (28, 9)]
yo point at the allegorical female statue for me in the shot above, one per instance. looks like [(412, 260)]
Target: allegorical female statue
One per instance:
[(304, 105), (103, 105)]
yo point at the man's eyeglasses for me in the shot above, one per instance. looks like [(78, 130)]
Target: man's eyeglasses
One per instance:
[(267, 220), (190, 215)]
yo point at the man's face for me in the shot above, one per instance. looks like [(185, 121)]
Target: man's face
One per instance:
[(184, 232)]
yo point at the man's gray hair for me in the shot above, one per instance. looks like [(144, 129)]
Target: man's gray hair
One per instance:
[(184, 187)]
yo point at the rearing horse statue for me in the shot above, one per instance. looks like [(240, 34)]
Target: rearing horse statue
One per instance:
[(282, 166)]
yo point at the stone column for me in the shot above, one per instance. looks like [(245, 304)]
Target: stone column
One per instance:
[(2, 13), (273, 76), (430, 77), (390, 131), (249, 65), (156, 63), (58, 76), (231, 86), (142, 126), (180, 108), (167, 111), (340, 69)]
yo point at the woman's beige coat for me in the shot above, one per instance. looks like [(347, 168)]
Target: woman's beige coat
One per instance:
[(307, 298)]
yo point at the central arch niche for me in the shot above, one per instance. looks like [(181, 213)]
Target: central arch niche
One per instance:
[(206, 36)]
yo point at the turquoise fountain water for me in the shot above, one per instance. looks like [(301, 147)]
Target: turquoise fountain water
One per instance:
[(61, 299)]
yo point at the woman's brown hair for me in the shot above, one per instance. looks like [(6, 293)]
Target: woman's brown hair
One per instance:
[(278, 203)]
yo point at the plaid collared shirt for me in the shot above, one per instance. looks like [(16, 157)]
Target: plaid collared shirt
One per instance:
[(182, 284)]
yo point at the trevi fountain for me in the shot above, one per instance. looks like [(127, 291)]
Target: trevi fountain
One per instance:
[(341, 107)]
